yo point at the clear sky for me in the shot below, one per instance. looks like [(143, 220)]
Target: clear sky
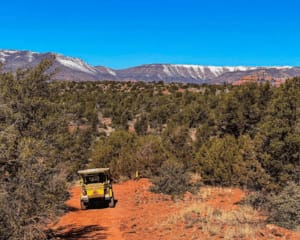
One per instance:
[(122, 33)]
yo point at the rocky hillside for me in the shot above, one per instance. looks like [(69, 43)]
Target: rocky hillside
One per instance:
[(74, 69)]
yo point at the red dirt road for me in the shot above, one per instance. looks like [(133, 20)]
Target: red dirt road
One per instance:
[(109, 223), (140, 214), (101, 223)]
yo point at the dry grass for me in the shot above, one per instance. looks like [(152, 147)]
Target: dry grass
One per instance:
[(240, 223), (242, 215), (205, 193)]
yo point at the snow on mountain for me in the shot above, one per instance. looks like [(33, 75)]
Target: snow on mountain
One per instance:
[(198, 71), (70, 69), (75, 64), (29, 55), (110, 71), (177, 72), (201, 74), (4, 54), (74, 69)]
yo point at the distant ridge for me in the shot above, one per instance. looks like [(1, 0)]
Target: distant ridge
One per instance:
[(75, 69)]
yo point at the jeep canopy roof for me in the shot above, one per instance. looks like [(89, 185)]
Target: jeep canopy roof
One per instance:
[(93, 171)]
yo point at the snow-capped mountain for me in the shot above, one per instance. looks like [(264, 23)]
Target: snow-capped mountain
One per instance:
[(204, 74), (74, 69), (70, 69), (177, 73)]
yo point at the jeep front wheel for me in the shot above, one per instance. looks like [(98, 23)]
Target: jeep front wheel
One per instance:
[(83, 205), (111, 202)]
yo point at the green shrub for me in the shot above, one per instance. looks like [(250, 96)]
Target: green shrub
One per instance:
[(284, 207), (229, 161), (258, 200), (172, 179), (141, 125)]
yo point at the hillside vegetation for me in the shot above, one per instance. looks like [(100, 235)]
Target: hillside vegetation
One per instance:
[(179, 135), (231, 135)]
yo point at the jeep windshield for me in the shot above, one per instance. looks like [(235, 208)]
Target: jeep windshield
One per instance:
[(95, 178)]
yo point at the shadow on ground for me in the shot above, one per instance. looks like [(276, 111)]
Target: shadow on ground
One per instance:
[(93, 205), (72, 232), (71, 209), (100, 204)]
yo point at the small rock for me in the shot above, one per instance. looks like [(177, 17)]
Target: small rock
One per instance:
[(276, 233)]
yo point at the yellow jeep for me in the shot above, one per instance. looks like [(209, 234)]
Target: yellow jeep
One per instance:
[(96, 185)]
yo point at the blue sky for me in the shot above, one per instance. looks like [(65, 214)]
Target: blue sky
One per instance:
[(120, 33)]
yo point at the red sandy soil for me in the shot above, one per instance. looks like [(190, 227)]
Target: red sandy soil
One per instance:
[(140, 214)]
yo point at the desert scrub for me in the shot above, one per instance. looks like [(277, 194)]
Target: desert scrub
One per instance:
[(241, 223), (173, 179), (284, 208)]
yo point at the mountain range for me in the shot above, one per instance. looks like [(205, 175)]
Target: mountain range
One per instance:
[(75, 69)]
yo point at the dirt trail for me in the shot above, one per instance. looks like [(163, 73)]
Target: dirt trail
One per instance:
[(140, 214), (96, 223)]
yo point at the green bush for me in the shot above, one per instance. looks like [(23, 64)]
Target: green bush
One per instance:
[(258, 200), (284, 208), (126, 153), (172, 179), (229, 161)]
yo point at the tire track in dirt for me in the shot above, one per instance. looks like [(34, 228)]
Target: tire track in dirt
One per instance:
[(95, 223)]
